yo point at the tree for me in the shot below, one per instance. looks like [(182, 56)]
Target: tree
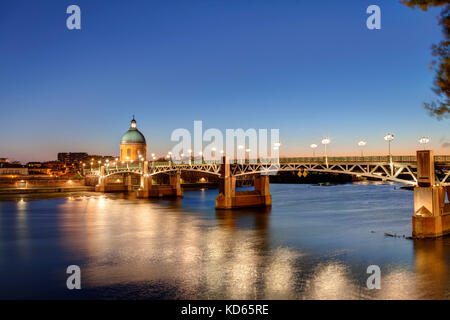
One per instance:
[(441, 66)]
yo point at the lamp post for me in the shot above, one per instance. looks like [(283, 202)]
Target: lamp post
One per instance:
[(276, 146), (389, 137), (153, 158), (325, 142), (247, 151), (213, 154), (361, 144), (423, 141), (240, 147), (313, 147)]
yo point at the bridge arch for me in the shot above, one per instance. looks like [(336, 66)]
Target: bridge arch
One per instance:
[(110, 174), (355, 173), (184, 169)]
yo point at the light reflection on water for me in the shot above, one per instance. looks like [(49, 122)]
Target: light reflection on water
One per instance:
[(315, 243)]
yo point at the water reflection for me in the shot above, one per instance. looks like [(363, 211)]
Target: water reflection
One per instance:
[(302, 248)]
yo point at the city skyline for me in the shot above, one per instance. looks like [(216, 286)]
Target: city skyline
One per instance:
[(310, 70)]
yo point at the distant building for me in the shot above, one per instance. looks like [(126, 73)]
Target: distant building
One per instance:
[(34, 164), (51, 168), (72, 157), (9, 169), (4, 160)]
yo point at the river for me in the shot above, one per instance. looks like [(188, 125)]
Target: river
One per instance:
[(316, 242)]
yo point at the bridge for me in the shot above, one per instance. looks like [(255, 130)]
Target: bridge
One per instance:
[(428, 174)]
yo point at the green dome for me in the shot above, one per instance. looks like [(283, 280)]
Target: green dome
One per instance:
[(133, 136)]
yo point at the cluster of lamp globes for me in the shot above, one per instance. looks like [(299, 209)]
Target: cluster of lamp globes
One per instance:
[(276, 146), (361, 143)]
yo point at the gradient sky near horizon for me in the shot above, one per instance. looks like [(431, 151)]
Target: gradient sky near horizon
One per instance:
[(310, 68)]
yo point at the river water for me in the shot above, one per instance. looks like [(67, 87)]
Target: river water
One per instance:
[(316, 242)]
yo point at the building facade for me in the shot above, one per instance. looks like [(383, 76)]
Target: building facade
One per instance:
[(133, 146), (72, 157)]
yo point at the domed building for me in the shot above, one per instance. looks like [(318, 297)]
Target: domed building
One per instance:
[(133, 145)]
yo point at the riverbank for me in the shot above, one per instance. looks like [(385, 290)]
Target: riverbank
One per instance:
[(10, 191)]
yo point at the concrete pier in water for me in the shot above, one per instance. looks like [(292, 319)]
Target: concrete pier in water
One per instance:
[(431, 217), (229, 198)]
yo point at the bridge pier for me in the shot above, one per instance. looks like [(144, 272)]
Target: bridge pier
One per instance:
[(431, 217), (101, 186), (148, 190), (229, 198)]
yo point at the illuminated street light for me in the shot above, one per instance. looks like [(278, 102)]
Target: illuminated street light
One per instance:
[(361, 144), (276, 146), (313, 147), (326, 141), (423, 141), (389, 137)]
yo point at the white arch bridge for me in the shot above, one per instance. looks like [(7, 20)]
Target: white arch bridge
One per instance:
[(401, 169)]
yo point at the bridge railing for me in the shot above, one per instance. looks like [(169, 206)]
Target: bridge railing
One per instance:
[(348, 159), (331, 160)]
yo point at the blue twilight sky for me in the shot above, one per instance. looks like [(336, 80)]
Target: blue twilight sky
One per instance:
[(309, 68)]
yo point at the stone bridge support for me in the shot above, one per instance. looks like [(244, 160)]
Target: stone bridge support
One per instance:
[(431, 217), (229, 198), (148, 190), (101, 186)]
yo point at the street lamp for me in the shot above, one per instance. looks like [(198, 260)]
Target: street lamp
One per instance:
[(389, 137), (313, 147), (423, 141), (361, 144), (326, 141), (276, 146)]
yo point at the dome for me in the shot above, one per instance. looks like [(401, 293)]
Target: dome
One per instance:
[(133, 135)]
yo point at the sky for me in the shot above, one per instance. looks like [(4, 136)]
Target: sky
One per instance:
[(308, 68)]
